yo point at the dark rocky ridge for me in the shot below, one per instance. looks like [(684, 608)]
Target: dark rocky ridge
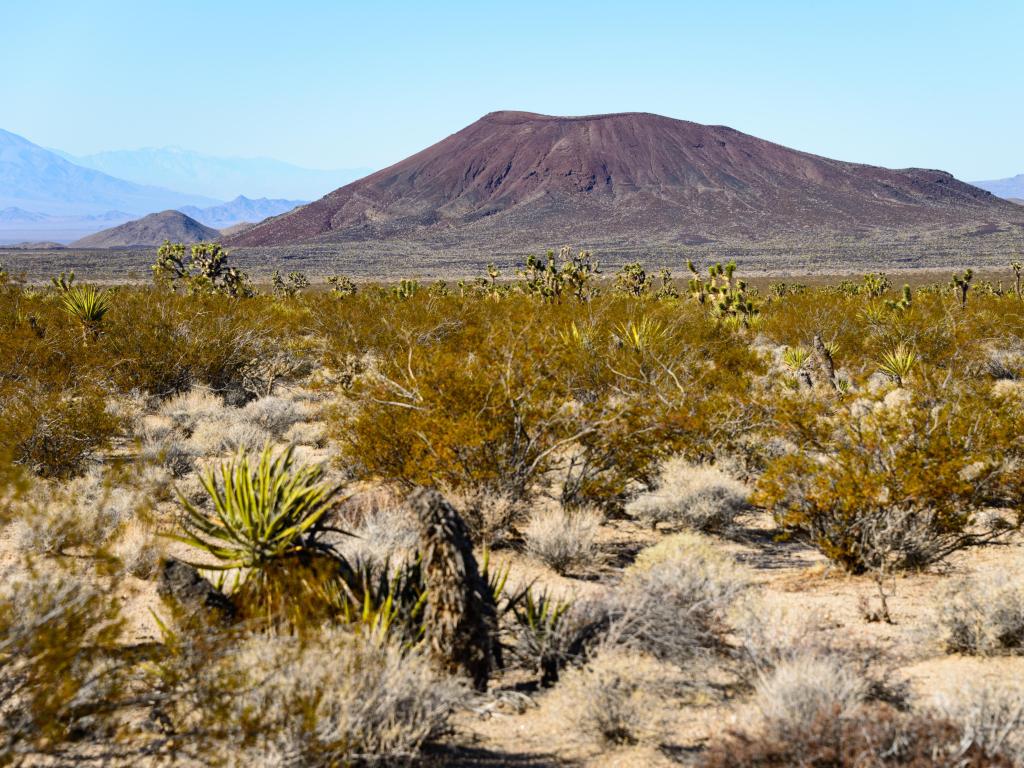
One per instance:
[(631, 177)]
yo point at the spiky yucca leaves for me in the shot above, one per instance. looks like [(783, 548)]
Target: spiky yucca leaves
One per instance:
[(795, 358), (86, 304), (898, 363), (262, 513), (639, 335), (266, 528), (539, 639)]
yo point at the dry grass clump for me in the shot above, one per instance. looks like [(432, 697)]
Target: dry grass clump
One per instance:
[(139, 549), (677, 606), (87, 512), (990, 718), (336, 699), (699, 497), (386, 532), (983, 616), (187, 409), (877, 736), (609, 701), (799, 691), (274, 414), (562, 538), (824, 709), (58, 635), (492, 517), (311, 433), (228, 436)]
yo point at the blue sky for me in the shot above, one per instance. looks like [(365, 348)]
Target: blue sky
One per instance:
[(336, 84)]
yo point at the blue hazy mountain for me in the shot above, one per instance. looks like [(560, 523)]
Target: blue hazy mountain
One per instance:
[(241, 209), (40, 181), (1012, 187), (220, 177)]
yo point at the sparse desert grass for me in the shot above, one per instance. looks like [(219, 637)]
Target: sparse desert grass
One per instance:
[(553, 416), (983, 616), (703, 498), (561, 538), (677, 605)]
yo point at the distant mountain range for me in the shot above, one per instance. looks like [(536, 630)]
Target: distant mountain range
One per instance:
[(218, 177), (38, 180), (44, 195), (240, 210), (1012, 187)]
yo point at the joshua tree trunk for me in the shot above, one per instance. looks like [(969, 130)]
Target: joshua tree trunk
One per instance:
[(460, 617)]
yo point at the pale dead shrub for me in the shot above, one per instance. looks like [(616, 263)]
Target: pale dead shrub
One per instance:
[(676, 606), (139, 550), (983, 616), (227, 436), (799, 691), (273, 413), (311, 433), (701, 497), (609, 701), (990, 716), (561, 538), (186, 410), (491, 517), (338, 699)]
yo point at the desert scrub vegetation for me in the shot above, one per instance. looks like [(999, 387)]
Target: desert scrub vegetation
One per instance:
[(360, 504)]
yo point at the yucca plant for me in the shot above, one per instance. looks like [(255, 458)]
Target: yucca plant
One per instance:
[(640, 334), (795, 358), (874, 314), (86, 304), (539, 632), (265, 529), (261, 513), (575, 336), (898, 363)]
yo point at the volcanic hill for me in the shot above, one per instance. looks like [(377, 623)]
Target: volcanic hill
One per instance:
[(151, 230), (636, 178)]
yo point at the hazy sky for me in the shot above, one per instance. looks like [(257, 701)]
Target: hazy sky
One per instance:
[(335, 84)]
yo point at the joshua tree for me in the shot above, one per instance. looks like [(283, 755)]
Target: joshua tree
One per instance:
[(962, 284), (205, 271), (460, 617), (632, 279), (903, 303)]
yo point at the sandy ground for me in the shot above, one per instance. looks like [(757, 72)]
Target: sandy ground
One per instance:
[(516, 725)]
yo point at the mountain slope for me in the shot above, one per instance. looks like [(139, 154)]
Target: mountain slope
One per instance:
[(1011, 187), (636, 177), (239, 210), (39, 180), (151, 230), (220, 177)]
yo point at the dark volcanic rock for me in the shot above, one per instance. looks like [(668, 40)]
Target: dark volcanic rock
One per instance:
[(622, 176), (193, 598)]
